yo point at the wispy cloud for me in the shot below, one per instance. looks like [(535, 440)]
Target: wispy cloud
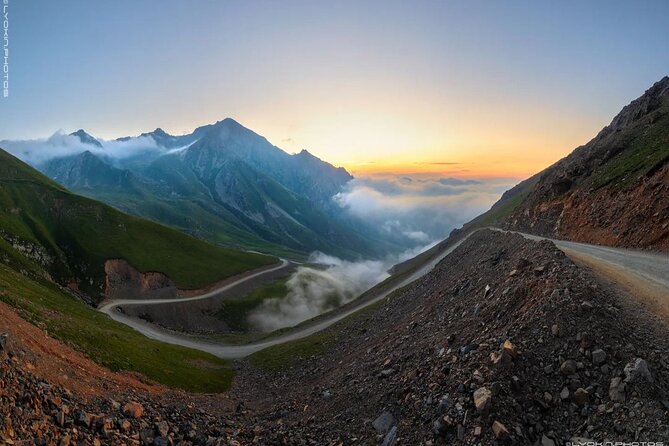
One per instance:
[(61, 144)]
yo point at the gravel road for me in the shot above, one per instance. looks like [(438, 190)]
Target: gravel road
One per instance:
[(652, 267)]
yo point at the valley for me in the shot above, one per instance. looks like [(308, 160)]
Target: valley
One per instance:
[(650, 270)]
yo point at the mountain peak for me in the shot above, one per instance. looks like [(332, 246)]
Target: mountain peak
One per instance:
[(305, 154), (157, 133), (160, 132), (228, 123), (86, 138)]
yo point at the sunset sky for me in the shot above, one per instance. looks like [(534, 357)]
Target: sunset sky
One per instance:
[(458, 88)]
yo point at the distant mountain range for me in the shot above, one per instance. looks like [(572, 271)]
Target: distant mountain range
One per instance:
[(226, 184)]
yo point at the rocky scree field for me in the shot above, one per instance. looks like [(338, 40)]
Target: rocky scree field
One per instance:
[(507, 341)]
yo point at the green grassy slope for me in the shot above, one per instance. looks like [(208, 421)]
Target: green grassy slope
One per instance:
[(81, 234), (647, 150), (107, 342)]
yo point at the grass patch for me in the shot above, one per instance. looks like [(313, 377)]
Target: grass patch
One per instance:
[(235, 311), (644, 153), (108, 342), (282, 356), (499, 213)]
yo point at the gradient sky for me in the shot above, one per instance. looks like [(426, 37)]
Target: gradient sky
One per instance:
[(467, 88)]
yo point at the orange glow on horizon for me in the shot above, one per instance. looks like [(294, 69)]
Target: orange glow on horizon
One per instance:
[(447, 169)]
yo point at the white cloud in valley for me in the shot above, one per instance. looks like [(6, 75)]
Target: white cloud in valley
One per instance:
[(313, 291), (421, 209)]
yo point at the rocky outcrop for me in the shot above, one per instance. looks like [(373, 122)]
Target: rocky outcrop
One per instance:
[(636, 217), (125, 282), (30, 250)]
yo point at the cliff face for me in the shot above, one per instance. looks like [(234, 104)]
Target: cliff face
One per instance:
[(615, 189), (125, 282)]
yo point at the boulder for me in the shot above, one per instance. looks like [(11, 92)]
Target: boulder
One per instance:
[(545, 441), (510, 349), (500, 431), (637, 370), (391, 437), (568, 367), (581, 396), (482, 399), (617, 390), (162, 428), (598, 356), (133, 409)]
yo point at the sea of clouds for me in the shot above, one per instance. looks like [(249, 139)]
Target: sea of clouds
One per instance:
[(424, 208)]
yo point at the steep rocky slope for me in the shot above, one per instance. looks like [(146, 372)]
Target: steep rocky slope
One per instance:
[(614, 190), (506, 339), (51, 395)]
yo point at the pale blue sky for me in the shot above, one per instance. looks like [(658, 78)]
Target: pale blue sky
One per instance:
[(353, 81)]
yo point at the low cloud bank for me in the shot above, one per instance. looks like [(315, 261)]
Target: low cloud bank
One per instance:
[(420, 208), (61, 144), (314, 291)]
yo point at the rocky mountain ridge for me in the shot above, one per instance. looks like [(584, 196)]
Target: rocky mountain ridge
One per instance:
[(611, 191), (239, 189)]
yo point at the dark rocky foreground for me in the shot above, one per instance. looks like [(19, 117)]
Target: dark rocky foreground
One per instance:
[(505, 342), (34, 412)]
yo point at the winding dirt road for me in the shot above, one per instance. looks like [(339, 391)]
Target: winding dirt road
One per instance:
[(108, 305), (649, 269)]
